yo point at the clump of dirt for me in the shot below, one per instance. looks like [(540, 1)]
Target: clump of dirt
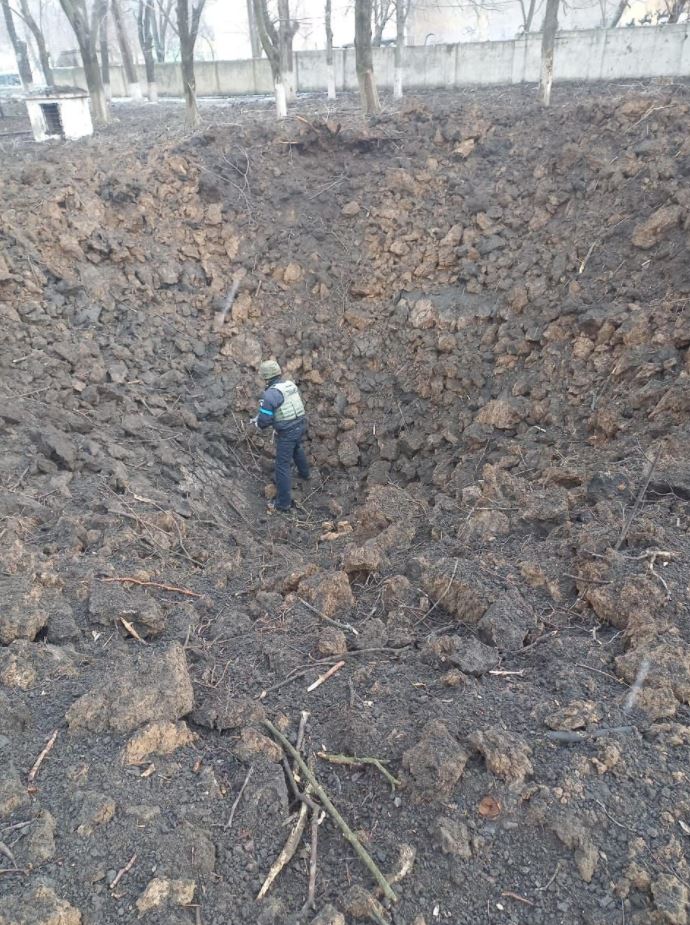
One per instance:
[(487, 308)]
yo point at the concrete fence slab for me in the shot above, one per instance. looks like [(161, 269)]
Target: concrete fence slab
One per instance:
[(593, 54)]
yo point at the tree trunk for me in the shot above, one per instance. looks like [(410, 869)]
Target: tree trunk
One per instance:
[(271, 45), (37, 33), (105, 58), (530, 15), (618, 15), (187, 32), (189, 83), (131, 76), (548, 42), (285, 36), (161, 30), (94, 83), (330, 63), (145, 16), (677, 8), (86, 33), (253, 31), (400, 13), (21, 52), (364, 58)]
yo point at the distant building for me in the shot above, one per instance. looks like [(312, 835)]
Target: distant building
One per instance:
[(438, 22)]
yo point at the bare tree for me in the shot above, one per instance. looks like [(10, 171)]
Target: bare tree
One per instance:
[(39, 37), (86, 28), (402, 9), (548, 41), (253, 31), (105, 56), (130, 68), (528, 10), (364, 58), (21, 52), (145, 20), (187, 30), (382, 11), (330, 63), (675, 9), (275, 43), (287, 29), (618, 15), (162, 21)]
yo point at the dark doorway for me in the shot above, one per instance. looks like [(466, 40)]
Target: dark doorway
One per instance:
[(51, 117)]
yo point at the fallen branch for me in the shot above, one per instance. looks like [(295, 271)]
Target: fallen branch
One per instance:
[(14, 870), (41, 758), (342, 626), (288, 851), (316, 821), (348, 834), (324, 677), (374, 762), (151, 584), (125, 870), (234, 806)]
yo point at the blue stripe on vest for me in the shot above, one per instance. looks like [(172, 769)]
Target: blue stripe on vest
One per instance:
[(266, 411)]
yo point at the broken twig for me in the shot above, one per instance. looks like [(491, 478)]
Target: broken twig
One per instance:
[(325, 676), (521, 899), (8, 853), (638, 501), (124, 870), (131, 630), (41, 758), (234, 806), (342, 626), (151, 584), (348, 834), (288, 851), (349, 759)]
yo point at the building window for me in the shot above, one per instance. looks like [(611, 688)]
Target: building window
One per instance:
[(51, 117)]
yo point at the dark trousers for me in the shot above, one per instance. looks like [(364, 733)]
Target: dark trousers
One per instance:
[(289, 449)]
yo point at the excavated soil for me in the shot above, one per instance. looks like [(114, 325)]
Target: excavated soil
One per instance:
[(487, 309)]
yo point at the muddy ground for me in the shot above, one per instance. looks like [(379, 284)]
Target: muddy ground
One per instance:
[(487, 308)]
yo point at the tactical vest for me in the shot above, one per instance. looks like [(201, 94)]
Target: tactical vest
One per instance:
[(292, 407)]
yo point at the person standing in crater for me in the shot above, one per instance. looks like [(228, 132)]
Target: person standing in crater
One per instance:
[(281, 407)]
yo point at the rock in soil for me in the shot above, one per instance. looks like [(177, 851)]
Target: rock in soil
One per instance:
[(156, 686)]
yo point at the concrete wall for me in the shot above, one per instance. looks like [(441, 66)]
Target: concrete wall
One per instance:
[(596, 54)]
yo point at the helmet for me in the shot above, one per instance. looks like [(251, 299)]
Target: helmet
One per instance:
[(269, 369)]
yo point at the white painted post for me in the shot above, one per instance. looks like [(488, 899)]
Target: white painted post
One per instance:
[(281, 100), (331, 81), (398, 83)]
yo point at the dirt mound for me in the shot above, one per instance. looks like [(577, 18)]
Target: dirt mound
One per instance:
[(487, 308)]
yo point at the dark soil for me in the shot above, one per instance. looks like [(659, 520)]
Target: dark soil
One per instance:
[(487, 309)]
